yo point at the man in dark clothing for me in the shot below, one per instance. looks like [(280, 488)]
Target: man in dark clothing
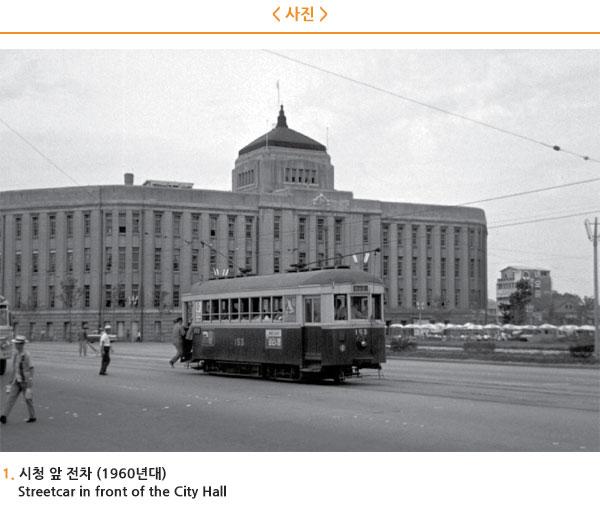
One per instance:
[(178, 335)]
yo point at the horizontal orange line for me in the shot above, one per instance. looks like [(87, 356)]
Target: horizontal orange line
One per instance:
[(299, 33)]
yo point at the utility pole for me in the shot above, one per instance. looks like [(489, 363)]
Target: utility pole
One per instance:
[(592, 232)]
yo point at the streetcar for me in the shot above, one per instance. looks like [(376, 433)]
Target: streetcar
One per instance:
[(314, 324)]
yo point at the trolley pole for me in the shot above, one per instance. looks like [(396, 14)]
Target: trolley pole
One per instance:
[(592, 231)]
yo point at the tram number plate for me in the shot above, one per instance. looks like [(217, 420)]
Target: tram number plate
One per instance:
[(273, 339), (208, 338)]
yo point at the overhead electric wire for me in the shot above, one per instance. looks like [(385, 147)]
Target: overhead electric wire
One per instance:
[(359, 82), (544, 219)]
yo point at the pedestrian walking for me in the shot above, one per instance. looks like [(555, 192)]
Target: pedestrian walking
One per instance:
[(21, 380), (83, 340), (178, 335), (105, 350)]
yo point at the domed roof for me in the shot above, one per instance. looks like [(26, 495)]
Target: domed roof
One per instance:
[(283, 136)]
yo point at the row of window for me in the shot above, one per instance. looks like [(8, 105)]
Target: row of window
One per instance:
[(475, 237), (283, 308), (441, 302), (473, 263), (79, 297), (245, 177), (300, 175)]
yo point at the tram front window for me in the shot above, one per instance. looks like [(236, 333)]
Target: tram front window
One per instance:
[(359, 307), (376, 306), (341, 309)]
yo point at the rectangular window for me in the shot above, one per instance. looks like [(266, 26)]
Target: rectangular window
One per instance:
[(231, 227), (108, 223), (107, 259), (34, 261), (320, 229), (415, 297), (415, 237), (212, 262), (69, 260), (276, 262), (195, 253), (51, 297), (400, 234), (157, 259), (276, 227), (312, 309), (385, 235), (135, 223), (429, 296), (195, 226), (230, 260), (377, 308), (121, 295), (122, 223), (34, 297), (35, 227), (428, 236), (456, 238), (400, 266), (456, 267), (87, 260), (52, 261), (249, 224), (338, 230), (52, 226), (108, 295), (122, 259), (86, 296), (386, 261), (213, 226), (87, 223), (471, 238), (135, 258), (472, 267), (158, 223), (443, 267), (156, 296), (301, 258), (457, 297), (340, 306), (17, 297), (301, 228), (176, 259), (443, 233), (365, 231), (69, 225), (176, 294), (428, 267), (18, 227), (176, 225), (18, 262), (414, 266), (359, 307)]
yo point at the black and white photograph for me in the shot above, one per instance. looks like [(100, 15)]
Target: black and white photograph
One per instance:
[(285, 250)]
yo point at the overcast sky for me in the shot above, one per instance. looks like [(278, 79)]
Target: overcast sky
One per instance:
[(184, 115)]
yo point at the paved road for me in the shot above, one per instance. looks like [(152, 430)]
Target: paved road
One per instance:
[(143, 405)]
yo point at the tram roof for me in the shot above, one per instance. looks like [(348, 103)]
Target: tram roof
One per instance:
[(283, 281)]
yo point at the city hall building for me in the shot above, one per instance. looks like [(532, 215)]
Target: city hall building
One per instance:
[(124, 254)]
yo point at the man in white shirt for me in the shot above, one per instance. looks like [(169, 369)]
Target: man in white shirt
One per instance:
[(21, 381), (105, 350)]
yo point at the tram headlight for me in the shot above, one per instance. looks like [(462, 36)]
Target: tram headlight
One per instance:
[(362, 343), (342, 347)]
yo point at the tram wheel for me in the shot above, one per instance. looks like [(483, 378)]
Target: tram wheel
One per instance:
[(339, 377)]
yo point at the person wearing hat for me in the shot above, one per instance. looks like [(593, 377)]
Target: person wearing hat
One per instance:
[(21, 381), (104, 350)]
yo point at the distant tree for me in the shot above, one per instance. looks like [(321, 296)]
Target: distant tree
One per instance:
[(70, 295), (515, 311)]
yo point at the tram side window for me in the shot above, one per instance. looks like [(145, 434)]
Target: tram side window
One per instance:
[(277, 308), (341, 307), (225, 309), (235, 309), (360, 307), (214, 310), (206, 310), (376, 305), (255, 308), (266, 308), (245, 306), (289, 309), (312, 309)]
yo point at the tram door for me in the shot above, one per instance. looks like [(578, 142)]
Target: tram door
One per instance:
[(311, 342)]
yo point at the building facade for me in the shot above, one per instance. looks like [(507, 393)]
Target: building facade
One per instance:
[(124, 254), (540, 283)]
